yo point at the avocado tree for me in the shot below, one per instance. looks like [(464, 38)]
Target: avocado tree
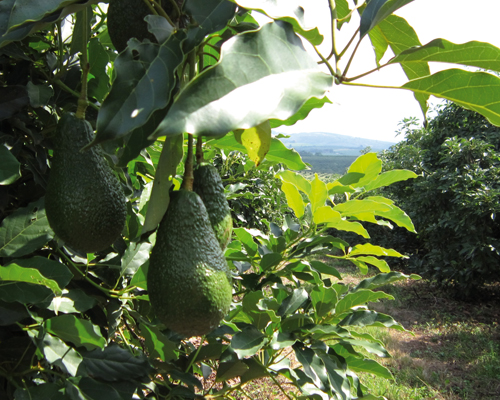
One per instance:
[(79, 325)]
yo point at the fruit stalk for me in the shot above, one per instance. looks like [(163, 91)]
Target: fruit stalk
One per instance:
[(188, 179)]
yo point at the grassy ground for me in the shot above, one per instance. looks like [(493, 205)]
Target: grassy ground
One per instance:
[(453, 352)]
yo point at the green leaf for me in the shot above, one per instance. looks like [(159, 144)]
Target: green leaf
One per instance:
[(255, 370), (140, 277), (353, 207), (39, 94), (81, 31), (16, 273), (325, 269), (295, 322), (293, 198), (326, 214), (116, 364), (390, 177), (370, 318), (95, 390), (158, 344), (376, 11), (372, 347), (170, 157), (287, 11), (135, 255), (343, 12), (324, 300), (313, 366), (278, 153), (369, 366), (248, 342), (473, 54), (98, 86), (348, 226), (257, 141), (10, 167), (80, 332), (383, 279), (270, 260), (281, 340), (25, 11), (144, 82), (48, 268), (230, 370), (319, 193), (262, 74), (60, 354), (367, 164), (295, 179), (293, 302), (247, 241), (476, 91), (302, 114), (25, 231), (368, 248), (358, 298), (44, 391), (72, 301), (380, 264), (399, 35)]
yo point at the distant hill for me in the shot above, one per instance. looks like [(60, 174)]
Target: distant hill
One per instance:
[(332, 143)]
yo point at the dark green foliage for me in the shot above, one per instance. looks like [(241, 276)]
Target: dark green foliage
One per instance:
[(84, 201), (208, 185), (188, 277), (126, 20), (455, 202)]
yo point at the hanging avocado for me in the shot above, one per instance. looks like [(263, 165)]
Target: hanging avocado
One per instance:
[(189, 281), (208, 185), (84, 201)]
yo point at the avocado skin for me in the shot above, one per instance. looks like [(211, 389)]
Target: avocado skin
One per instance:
[(84, 201), (189, 282), (126, 20), (208, 185)]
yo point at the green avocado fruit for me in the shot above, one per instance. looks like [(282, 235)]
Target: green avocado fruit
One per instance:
[(189, 282), (84, 201), (126, 20), (208, 184)]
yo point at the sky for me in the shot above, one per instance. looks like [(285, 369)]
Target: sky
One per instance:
[(375, 113)]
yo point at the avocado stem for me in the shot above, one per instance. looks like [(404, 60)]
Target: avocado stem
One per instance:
[(188, 179), (199, 150)]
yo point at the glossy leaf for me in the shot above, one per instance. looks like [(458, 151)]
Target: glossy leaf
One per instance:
[(324, 300), (289, 11), (296, 179), (10, 167), (313, 366), (143, 84), (376, 262), (77, 331), (369, 366), (376, 11), (293, 198), (326, 214), (171, 155), (395, 214), (293, 302), (348, 226), (473, 54), (140, 277), (390, 177), (369, 165), (370, 318), (230, 370), (60, 354), (325, 269), (358, 298), (353, 207), (372, 347), (246, 240), (25, 231), (477, 91), (116, 364), (158, 344), (257, 141), (248, 342), (318, 194), (262, 75), (96, 390), (383, 279), (135, 255), (16, 273), (370, 249), (72, 301), (302, 114), (39, 94)]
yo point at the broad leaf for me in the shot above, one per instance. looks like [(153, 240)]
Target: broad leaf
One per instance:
[(296, 179), (289, 11), (257, 141), (248, 342), (376, 262), (77, 331), (376, 11), (25, 231), (143, 84), (369, 165), (302, 114), (135, 255), (473, 54), (326, 214), (390, 177), (293, 198), (262, 75), (369, 366), (353, 207), (72, 301), (477, 91), (370, 249), (230, 370), (383, 279), (158, 344), (48, 268), (95, 390), (140, 277), (372, 347), (16, 273), (358, 298), (293, 302), (313, 366), (171, 155), (9, 169), (116, 364), (370, 318), (324, 300), (318, 194), (60, 354)]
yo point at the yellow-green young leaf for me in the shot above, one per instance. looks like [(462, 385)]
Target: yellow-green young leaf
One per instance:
[(354, 207), (370, 249), (367, 164), (348, 226), (16, 273), (395, 214), (326, 214), (476, 91), (293, 198), (361, 297), (380, 264), (319, 193), (257, 141), (296, 179), (390, 177), (337, 187)]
